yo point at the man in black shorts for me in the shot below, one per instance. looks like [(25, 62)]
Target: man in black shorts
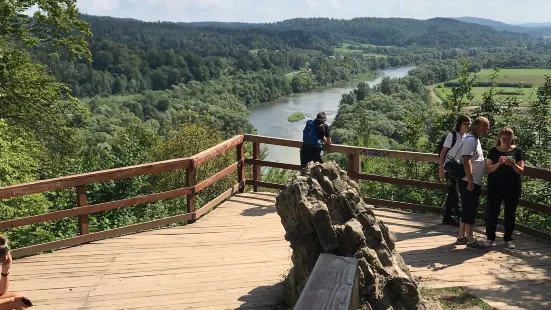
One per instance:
[(315, 134), (471, 185)]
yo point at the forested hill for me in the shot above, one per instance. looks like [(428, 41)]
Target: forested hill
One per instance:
[(217, 38), (437, 32), (211, 41), (130, 56)]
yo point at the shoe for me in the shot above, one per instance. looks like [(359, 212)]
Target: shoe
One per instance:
[(450, 221), (510, 245), (490, 242), (462, 240), (475, 245)]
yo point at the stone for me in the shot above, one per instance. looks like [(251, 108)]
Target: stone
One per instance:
[(322, 212)]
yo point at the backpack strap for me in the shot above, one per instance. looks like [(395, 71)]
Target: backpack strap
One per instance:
[(461, 146), (454, 138)]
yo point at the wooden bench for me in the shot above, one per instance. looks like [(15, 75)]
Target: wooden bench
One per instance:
[(332, 285)]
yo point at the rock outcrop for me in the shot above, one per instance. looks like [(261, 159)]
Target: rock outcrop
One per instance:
[(322, 212)]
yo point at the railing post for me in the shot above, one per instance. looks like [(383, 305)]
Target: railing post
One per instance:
[(240, 156), (256, 167), (82, 201), (190, 182), (354, 166)]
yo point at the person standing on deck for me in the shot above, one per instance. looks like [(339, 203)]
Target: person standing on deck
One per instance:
[(450, 151), (505, 167), (471, 185), (315, 134)]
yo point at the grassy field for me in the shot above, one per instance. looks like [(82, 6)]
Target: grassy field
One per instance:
[(343, 49), (535, 77), (527, 94)]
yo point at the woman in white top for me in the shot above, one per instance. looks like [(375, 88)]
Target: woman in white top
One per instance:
[(450, 151)]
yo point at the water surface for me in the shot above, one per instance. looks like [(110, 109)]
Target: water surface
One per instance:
[(270, 118)]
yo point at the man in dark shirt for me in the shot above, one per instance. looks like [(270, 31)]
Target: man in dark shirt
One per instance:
[(313, 153)]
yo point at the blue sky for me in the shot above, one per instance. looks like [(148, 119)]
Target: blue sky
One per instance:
[(511, 11)]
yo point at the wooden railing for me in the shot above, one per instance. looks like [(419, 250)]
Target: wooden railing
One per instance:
[(355, 154), (83, 209)]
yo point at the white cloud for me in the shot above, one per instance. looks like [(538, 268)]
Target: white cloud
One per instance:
[(106, 5), (311, 3), (335, 4)]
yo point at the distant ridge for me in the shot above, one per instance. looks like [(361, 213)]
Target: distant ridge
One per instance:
[(541, 30), (535, 25)]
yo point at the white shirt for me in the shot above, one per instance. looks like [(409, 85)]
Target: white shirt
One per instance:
[(472, 147), (453, 151)]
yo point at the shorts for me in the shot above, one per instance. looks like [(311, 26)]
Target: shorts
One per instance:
[(308, 154), (469, 202)]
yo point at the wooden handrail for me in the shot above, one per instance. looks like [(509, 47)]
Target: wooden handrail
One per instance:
[(354, 154), (93, 177), (529, 171), (83, 209), (80, 181), (348, 150)]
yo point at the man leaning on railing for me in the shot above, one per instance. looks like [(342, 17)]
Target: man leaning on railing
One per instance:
[(315, 134)]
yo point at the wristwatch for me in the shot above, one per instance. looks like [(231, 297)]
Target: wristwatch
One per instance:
[(4, 274)]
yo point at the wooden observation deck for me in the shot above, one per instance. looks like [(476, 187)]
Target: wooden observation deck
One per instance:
[(236, 256)]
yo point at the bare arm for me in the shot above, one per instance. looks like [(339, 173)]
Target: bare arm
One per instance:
[(491, 167), (443, 156), (468, 166), (517, 166), (7, 301), (4, 282), (328, 141)]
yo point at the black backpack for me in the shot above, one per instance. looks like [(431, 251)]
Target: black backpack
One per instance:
[(441, 144)]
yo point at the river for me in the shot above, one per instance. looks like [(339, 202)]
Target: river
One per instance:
[(270, 118)]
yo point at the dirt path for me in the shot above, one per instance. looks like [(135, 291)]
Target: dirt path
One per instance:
[(434, 96)]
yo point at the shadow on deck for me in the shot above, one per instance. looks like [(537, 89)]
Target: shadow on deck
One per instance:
[(237, 257)]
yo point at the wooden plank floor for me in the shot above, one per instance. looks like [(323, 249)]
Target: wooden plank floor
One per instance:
[(505, 279), (236, 256)]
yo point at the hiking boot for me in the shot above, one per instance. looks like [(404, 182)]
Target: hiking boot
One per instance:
[(462, 240), (510, 245), (475, 245), (450, 221)]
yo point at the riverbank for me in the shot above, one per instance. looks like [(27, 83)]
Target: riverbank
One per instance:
[(270, 118)]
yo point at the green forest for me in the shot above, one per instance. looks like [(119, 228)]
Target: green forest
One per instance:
[(82, 93)]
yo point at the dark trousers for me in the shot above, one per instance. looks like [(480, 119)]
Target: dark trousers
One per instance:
[(308, 154), (469, 202), (452, 199), (508, 194)]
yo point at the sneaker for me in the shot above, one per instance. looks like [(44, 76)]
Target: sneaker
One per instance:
[(462, 240), (491, 242), (510, 245), (475, 245), (450, 221)]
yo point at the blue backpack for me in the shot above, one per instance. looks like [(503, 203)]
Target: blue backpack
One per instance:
[(309, 135)]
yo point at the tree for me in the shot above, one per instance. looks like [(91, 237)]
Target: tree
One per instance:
[(462, 93), (30, 98)]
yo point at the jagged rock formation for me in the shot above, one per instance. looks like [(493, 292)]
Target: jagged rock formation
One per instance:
[(322, 212)]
